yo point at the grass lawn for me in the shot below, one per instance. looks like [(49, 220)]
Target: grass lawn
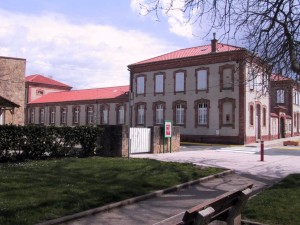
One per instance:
[(37, 191), (278, 205)]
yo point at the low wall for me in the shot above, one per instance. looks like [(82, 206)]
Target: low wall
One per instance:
[(115, 140), (163, 145)]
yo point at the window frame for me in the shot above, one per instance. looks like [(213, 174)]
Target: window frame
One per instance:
[(32, 115), (64, 115), (197, 112), (175, 114), (137, 113), (221, 72), (197, 79), (251, 114), (221, 109), (121, 120), (104, 116), (42, 115), (280, 96), (264, 116), (155, 114), (163, 74), (176, 73), (76, 115), (52, 112), (90, 114), (139, 86)]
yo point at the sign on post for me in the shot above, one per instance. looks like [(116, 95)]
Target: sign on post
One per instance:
[(168, 129)]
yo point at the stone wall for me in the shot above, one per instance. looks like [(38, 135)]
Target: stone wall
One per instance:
[(161, 145), (12, 87)]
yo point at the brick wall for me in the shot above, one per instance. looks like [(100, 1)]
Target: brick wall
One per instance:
[(12, 87)]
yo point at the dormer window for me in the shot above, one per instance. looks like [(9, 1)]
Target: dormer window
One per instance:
[(40, 92)]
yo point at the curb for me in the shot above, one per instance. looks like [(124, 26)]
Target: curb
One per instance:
[(133, 200), (248, 222)]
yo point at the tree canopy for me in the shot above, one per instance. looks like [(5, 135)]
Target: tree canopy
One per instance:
[(268, 28)]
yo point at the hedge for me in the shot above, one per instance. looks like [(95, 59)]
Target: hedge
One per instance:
[(19, 143)]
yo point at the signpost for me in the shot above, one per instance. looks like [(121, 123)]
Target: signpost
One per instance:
[(168, 133)]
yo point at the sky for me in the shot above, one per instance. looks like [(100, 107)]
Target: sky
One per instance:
[(89, 43)]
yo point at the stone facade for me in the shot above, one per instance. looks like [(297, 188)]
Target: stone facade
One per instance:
[(12, 87)]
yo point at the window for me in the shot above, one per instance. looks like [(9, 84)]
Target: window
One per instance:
[(76, 112), (280, 96), (226, 77), (159, 111), (227, 112), (202, 79), (32, 116), (90, 115), (42, 116), (159, 114), (264, 117), (180, 81), (179, 114), (120, 114), (64, 115), (202, 113), (201, 107), (52, 115), (296, 97), (159, 83), (39, 92), (179, 108), (251, 119), (140, 114), (140, 84), (252, 80), (104, 114)]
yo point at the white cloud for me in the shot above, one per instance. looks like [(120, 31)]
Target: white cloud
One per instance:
[(178, 23), (81, 55)]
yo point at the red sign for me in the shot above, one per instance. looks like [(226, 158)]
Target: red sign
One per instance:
[(168, 129)]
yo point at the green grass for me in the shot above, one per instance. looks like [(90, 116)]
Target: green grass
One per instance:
[(278, 205), (37, 191)]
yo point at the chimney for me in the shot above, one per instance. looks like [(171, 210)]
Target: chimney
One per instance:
[(214, 44)]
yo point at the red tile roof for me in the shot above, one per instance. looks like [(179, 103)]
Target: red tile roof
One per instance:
[(83, 95), (189, 52), (37, 78)]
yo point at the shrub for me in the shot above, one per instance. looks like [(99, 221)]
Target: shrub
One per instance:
[(37, 142)]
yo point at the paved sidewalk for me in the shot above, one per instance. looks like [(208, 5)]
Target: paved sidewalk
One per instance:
[(160, 208), (249, 169)]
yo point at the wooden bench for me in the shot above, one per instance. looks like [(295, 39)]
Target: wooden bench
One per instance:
[(225, 209)]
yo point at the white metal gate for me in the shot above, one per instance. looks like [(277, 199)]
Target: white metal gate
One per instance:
[(140, 139)]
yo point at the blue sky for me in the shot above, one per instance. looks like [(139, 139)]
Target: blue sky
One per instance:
[(88, 44)]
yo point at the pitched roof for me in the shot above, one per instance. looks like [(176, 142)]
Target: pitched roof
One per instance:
[(190, 52), (37, 78), (4, 102), (83, 95)]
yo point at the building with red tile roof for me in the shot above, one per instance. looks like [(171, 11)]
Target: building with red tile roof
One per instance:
[(285, 104), (42, 80), (109, 94), (191, 52), (215, 93), (54, 103)]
